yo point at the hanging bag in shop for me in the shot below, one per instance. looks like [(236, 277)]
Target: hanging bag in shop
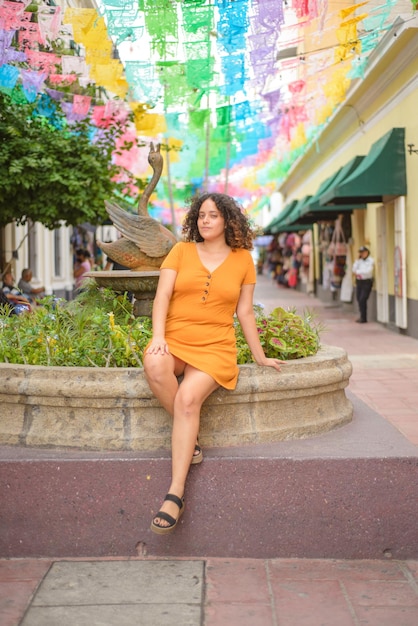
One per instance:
[(338, 249)]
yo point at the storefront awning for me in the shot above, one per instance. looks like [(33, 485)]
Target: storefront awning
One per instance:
[(297, 211), (316, 211), (315, 204), (270, 229), (293, 228), (381, 173), (290, 222), (342, 174)]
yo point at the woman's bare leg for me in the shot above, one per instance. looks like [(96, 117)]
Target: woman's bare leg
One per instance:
[(193, 391), (161, 372)]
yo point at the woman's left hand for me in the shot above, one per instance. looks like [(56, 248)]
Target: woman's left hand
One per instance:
[(276, 363)]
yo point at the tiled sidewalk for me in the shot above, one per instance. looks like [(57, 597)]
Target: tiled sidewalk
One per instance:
[(391, 389), (311, 593), (208, 592)]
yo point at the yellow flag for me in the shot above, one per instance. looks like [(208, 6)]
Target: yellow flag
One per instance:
[(349, 10)]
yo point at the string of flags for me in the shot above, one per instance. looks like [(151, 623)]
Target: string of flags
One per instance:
[(235, 89)]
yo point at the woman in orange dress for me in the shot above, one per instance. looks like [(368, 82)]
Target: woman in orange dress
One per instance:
[(203, 282)]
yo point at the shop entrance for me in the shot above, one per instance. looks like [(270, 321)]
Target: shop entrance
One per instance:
[(390, 263), (382, 290)]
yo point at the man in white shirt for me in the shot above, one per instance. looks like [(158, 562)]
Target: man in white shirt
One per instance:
[(363, 269)]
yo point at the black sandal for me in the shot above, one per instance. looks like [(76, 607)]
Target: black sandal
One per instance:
[(162, 530), (197, 458)]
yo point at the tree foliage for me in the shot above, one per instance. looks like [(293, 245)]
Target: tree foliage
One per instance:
[(51, 172)]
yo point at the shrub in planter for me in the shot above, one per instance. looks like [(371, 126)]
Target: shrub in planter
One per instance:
[(98, 329)]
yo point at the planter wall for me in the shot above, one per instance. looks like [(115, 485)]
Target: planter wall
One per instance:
[(113, 409)]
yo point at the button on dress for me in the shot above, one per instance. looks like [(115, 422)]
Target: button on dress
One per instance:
[(199, 325)]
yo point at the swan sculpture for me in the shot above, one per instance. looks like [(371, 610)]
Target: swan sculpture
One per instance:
[(145, 242)]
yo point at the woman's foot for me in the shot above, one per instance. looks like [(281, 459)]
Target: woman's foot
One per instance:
[(197, 455), (164, 522)]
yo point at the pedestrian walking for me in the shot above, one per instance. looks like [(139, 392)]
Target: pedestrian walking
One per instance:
[(363, 268), (82, 265), (204, 281)]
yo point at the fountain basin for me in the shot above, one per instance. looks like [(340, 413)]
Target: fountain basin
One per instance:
[(142, 284), (113, 408)]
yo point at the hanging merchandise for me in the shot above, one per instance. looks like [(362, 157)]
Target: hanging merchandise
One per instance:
[(292, 280), (338, 250), (306, 248), (327, 252), (327, 274)]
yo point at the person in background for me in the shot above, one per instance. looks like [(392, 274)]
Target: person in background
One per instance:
[(6, 306), (13, 294), (81, 266), (203, 282), (363, 269), (28, 290)]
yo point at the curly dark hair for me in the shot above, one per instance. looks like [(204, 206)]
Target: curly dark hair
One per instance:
[(238, 231)]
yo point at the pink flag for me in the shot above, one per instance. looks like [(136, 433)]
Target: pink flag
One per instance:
[(29, 35), (45, 61), (58, 79), (49, 20), (81, 104)]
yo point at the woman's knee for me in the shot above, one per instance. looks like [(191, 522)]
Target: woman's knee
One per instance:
[(189, 400), (155, 369)]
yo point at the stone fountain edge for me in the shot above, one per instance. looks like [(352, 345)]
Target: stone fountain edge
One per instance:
[(113, 408)]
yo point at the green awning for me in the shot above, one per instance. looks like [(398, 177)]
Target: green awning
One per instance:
[(290, 222), (271, 228), (313, 204), (317, 203), (316, 212), (312, 211), (293, 228), (297, 211), (381, 173), (342, 174)]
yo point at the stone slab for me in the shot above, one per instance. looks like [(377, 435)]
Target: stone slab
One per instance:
[(144, 593)]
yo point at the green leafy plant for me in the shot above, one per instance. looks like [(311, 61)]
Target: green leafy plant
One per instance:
[(98, 329), (283, 334)]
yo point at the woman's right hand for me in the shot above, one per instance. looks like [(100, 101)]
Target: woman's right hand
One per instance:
[(158, 345)]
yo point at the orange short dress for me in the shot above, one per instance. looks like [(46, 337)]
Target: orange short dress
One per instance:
[(199, 325)]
